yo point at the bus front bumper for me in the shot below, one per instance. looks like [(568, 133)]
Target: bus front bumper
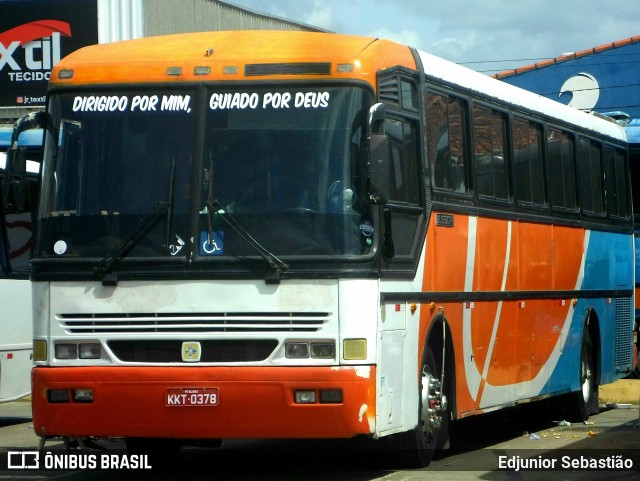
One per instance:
[(204, 402)]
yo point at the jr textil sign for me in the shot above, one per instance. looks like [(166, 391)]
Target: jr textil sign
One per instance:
[(34, 35)]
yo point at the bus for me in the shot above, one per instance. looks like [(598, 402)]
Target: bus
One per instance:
[(314, 235), (15, 247), (632, 129)]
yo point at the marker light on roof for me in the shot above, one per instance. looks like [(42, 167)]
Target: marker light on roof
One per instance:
[(230, 70), (202, 70), (65, 74), (174, 71)]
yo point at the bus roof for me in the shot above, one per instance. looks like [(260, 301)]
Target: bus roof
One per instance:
[(484, 85), (276, 55), (288, 52), (633, 131), (28, 138)]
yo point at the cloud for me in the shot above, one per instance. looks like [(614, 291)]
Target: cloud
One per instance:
[(450, 48), (407, 37), (470, 30), (321, 15)]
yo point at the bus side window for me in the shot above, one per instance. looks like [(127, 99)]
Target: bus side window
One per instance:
[(489, 157), (616, 187), (446, 152), (590, 170), (528, 170), (561, 170)]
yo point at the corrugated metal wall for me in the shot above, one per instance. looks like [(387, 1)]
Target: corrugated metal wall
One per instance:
[(175, 16), (119, 20)]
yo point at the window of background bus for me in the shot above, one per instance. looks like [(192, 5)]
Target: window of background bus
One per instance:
[(19, 235)]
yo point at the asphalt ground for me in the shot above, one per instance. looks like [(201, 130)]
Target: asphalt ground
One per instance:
[(493, 447)]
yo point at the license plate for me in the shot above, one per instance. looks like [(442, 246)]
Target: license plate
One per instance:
[(180, 397)]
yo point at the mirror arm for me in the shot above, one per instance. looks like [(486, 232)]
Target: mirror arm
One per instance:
[(375, 117), (34, 120)]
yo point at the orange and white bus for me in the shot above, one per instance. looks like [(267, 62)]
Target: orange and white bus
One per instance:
[(314, 235)]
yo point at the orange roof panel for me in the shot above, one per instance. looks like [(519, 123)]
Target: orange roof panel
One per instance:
[(147, 59)]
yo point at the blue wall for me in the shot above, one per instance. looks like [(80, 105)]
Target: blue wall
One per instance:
[(611, 77)]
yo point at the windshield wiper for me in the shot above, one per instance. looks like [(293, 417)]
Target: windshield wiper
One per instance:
[(277, 265), (105, 265)]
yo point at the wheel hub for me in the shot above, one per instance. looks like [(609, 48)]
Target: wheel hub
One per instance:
[(586, 381), (433, 403)]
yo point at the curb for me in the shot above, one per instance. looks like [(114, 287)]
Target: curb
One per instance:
[(623, 391)]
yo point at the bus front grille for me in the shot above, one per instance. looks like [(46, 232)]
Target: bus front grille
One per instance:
[(186, 323), (170, 351)]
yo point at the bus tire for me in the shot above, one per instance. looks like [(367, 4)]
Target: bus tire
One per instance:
[(415, 448), (579, 405)]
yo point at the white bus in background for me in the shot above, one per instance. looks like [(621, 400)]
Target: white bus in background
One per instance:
[(16, 327)]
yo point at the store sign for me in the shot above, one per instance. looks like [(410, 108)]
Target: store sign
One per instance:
[(34, 36)]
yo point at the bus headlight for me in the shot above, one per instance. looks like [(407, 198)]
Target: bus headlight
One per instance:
[(85, 350), (90, 351), (323, 350), (297, 350), (315, 350), (66, 351)]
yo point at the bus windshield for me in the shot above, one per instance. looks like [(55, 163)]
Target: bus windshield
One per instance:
[(173, 173)]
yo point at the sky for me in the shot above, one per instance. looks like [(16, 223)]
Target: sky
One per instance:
[(487, 35)]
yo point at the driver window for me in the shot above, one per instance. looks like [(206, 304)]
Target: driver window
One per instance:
[(403, 171), (404, 178)]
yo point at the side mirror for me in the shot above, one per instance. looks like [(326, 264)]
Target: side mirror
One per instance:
[(34, 120), (378, 188), (377, 156)]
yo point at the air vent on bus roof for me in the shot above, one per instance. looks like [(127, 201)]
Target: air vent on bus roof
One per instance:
[(389, 89), (300, 68)]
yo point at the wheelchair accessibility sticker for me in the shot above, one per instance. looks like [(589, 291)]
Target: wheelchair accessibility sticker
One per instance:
[(213, 246)]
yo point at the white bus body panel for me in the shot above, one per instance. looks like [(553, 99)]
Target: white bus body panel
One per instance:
[(15, 339)]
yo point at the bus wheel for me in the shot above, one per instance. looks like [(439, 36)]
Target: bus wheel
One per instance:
[(416, 447), (577, 406), (584, 396)]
